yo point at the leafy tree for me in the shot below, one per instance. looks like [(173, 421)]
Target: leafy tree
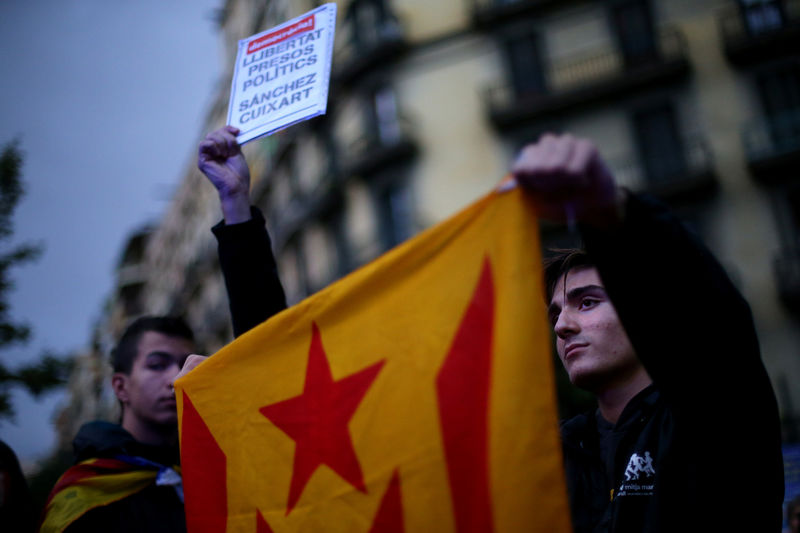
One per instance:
[(49, 371)]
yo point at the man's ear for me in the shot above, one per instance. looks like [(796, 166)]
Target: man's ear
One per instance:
[(119, 383)]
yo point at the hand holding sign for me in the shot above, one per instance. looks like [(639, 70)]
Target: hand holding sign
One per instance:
[(282, 74), (220, 158)]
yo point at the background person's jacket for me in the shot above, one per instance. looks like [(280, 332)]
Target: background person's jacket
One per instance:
[(114, 486)]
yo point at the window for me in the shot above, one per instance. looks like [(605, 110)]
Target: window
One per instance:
[(659, 143), (319, 251), (293, 272), (393, 207), (787, 261), (380, 115), (786, 203), (632, 25), (131, 297), (386, 119), (525, 64), (762, 16), (335, 222), (370, 22), (779, 90)]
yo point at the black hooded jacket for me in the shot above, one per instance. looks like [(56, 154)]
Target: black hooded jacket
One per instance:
[(699, 450), (153, 509), (255, 293)]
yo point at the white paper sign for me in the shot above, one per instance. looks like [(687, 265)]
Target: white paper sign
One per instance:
[(282, 74)]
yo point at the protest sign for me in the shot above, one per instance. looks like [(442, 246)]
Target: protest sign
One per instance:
[(282, 74)]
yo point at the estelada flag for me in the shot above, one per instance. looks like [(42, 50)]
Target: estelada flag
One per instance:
[(90, 484), (415, 394)]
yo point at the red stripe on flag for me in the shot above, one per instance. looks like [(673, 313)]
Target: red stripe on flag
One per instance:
[(389, 518), (95, 468), (261, 525), (463, 389), (204, 474)]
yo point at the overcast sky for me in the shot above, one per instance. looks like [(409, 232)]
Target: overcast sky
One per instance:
[(107, 98)]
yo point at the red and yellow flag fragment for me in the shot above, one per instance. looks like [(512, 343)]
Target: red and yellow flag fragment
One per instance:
[(416, 394), (90, 484)]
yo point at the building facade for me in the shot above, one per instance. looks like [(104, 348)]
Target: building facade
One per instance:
[(695, 101)]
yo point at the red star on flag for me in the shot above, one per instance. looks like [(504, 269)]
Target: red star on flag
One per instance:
[(317, 420)]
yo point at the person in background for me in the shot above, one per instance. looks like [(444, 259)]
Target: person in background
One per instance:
[(126, 477), (16, 504)]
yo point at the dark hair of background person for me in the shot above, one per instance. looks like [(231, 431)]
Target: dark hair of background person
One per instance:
[(124, 354)]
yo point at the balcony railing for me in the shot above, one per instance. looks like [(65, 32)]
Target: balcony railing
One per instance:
[(685, 175), (357, 56), (588, 79), (772, 146), (386, 144), (786, 266), (303, 208), (486, 13), (771, 32)]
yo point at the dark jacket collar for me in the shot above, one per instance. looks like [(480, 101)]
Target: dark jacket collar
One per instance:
[(104, 439), (580, 432)]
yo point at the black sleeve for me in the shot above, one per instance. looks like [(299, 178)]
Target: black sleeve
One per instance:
[(154, 509), (255, 292)]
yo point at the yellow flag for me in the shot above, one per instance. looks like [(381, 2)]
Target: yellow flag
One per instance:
[(415, 394)]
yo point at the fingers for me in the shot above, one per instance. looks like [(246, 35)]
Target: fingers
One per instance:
[(219, 145), (226, 139), (555, 156), (581, 158), (565, 176), (191, 363), (209, 150), (556, 153), (554, 167)]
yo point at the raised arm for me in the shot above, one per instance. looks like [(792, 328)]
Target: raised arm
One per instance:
[(251, 277)]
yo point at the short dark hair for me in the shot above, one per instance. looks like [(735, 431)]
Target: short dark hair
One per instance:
[(559, 262), (123, 356)]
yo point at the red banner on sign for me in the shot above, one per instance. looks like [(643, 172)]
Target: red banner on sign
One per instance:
[(281, 35)]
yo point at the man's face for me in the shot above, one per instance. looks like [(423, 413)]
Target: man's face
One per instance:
[(591, 341), (146, 392)]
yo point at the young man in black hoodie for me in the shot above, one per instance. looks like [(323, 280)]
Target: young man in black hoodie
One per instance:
[(686, 436), (126, 476)]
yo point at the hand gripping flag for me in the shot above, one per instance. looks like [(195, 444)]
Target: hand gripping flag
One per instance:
[(415, 394)]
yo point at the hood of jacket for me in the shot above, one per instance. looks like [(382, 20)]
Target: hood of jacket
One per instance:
[(105, 439)]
